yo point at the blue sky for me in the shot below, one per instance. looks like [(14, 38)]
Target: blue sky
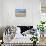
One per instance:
[(20, 10)]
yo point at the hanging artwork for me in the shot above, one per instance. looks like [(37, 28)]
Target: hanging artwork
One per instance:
[(20, 12)]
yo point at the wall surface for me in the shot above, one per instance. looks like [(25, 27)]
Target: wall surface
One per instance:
[(32, 12), (0, 12)]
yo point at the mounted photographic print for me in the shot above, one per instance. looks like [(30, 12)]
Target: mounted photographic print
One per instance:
[(20, 12)]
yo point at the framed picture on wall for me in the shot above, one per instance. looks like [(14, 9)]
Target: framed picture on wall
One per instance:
[(20, 12)]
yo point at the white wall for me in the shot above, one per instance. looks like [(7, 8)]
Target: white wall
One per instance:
[(32, 12), (0, 12)]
